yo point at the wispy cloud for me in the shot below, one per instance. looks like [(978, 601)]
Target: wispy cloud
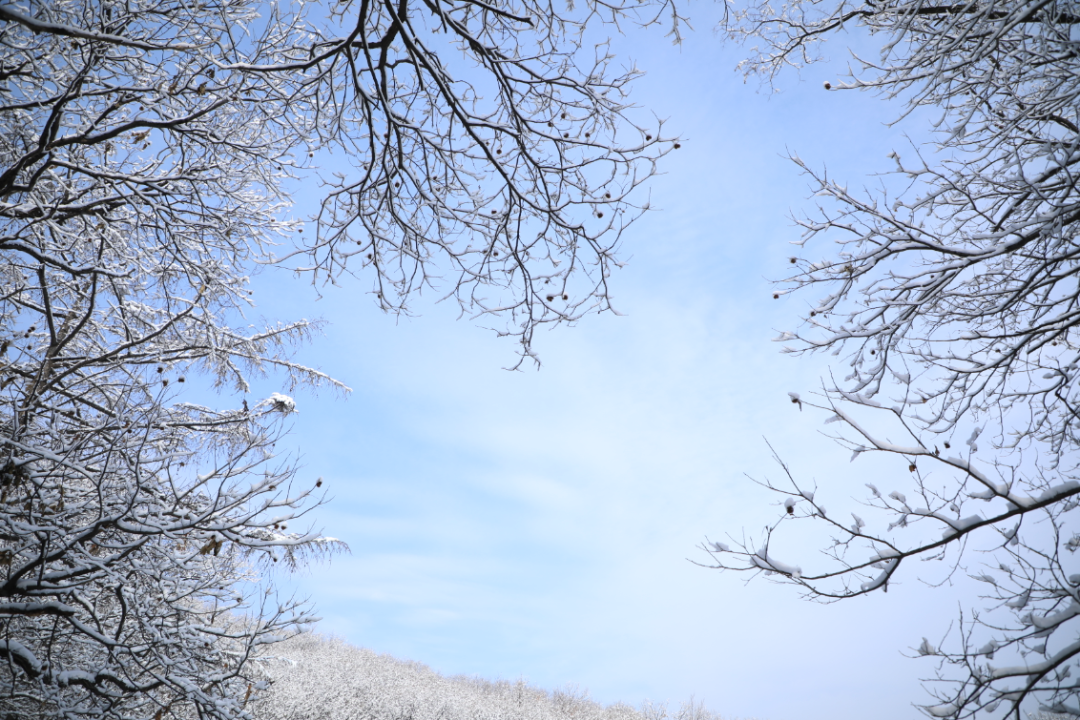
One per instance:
[(539, 523)]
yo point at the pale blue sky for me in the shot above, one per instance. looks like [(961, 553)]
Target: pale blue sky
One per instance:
[(537, 524)]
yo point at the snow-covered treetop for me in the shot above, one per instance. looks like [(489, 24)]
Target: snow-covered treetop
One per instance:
[(314, 677)]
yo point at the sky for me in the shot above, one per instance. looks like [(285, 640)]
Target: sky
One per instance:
[(544, 524)]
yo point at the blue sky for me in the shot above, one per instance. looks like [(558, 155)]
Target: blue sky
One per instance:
[(540, 524)]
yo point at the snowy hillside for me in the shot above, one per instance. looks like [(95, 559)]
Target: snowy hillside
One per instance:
[(320, 678)]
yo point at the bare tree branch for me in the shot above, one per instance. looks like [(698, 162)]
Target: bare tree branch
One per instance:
[(953, 301)]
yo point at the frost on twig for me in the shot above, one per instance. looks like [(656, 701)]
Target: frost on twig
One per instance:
[(1030, 582), (948, 297), (146, 152)]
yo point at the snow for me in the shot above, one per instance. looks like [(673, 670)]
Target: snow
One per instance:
[(74, 676), (282, 403), (21, 656), (1021, 602), (318, 677), (1037, 668), (50, 607), (967, 522), (1059, 491), (956, 527), (1044, 622), (882, 577), (858, 525), (762, 560), (269, 639)]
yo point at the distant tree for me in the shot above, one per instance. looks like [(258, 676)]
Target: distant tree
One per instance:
[(953, 299), (320, 678), (146, 154)]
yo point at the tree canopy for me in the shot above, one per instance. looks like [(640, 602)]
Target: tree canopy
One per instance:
[(146, 156), (950, 295)]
